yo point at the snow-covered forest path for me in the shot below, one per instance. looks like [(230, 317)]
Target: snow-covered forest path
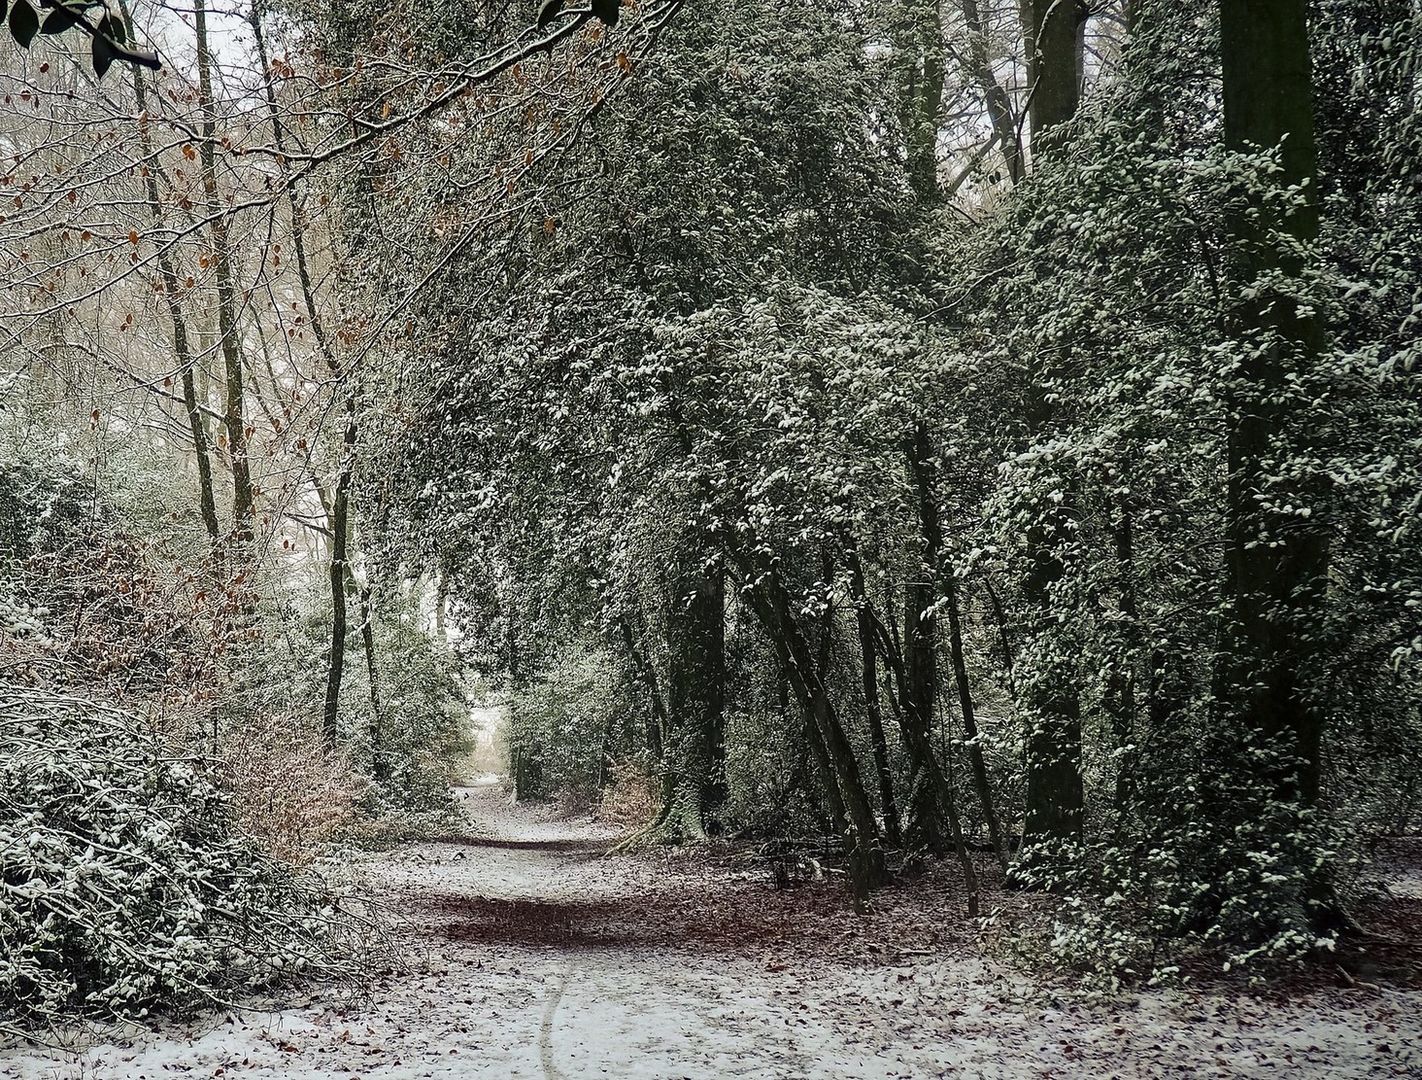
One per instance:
[(529, 955)]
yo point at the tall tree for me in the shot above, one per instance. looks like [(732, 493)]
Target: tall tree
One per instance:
[(1276, 558), (234, 421), (1050, 699)]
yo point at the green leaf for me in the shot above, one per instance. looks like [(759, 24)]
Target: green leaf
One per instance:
[(60, 20), (24, 23), (103, 55)]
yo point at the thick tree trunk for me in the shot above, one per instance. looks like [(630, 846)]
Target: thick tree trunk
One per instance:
[(922, 74), (694, 783), (1052, 708), (1058, 38), (1276, 562), (1048, 694)]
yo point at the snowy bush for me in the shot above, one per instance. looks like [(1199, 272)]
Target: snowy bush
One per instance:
[(123, 885), (288, 791)]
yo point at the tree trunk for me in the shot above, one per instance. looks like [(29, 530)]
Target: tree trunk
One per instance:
[(999, 106), (922, 76), (917, 693), (919, 687), (1049, 696), (340, 571), (1052, 709), (1058, 37), (379, 766), (873, 709), (694, 782), (340, 506), (970, 722), (657, 722), (1276, 562), (861, 836), (233, 420), (1120, 699), (918, 747), (172, 297)]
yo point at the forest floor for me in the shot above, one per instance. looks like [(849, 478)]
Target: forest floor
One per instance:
[(528, 954)]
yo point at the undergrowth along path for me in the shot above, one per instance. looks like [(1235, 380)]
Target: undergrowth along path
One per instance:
[(531, 955)]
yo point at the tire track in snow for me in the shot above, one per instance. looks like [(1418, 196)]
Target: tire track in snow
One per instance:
[(545, 1031)]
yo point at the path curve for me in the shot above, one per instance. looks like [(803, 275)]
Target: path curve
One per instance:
[(532, 957)]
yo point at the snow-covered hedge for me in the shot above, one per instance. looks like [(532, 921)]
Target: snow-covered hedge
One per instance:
[(123, 885)]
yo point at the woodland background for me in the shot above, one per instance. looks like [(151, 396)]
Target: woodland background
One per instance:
[(937, 429)]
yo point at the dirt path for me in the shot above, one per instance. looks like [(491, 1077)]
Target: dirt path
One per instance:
[(531, 956)]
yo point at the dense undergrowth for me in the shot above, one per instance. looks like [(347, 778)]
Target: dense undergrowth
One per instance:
[(166, 800)]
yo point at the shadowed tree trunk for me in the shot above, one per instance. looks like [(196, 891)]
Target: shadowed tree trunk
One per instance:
[(807, 680), (1058, 45), (1048, 694), (694, 773), (873, 710), (657, 721), (970, 721), (1276, 562), (919, 685), (921, 73)]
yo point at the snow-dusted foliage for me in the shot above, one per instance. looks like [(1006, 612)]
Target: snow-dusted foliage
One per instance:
[(123, 886)]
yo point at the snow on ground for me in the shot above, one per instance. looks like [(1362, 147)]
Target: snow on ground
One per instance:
[(528, 959)]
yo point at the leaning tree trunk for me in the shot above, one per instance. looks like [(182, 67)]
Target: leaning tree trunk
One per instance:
[(172, 298), (807, 679), (339, 569), (995, 98), (970, 722), (918, 746)]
